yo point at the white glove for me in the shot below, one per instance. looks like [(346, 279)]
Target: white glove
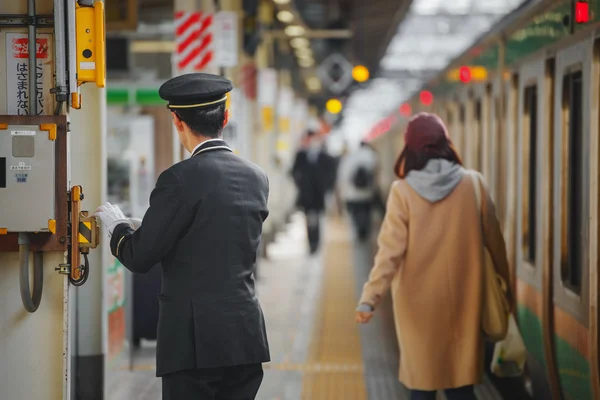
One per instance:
[(111, 216), (137, 222)]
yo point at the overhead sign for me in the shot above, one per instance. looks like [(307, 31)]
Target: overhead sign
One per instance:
[(17, 74), (226, 38), (336, 73)]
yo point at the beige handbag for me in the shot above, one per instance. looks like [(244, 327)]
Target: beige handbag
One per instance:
[(496, 307)]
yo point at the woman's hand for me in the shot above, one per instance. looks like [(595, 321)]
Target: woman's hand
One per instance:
[(364, 313), (363, 317)]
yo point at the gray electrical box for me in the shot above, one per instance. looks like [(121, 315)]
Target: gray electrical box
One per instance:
[(27, 179)]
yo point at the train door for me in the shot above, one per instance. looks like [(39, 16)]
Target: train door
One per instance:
[(510, 129), (497, 151), (594, 223), (533, 223), (571, 257)]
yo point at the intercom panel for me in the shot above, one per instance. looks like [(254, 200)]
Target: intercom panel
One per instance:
[(27, 178)]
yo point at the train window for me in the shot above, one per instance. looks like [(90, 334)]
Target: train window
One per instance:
[(572, 182), (529, 200), (478, 145)]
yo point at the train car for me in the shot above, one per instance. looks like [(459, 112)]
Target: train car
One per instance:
[(530, 124)]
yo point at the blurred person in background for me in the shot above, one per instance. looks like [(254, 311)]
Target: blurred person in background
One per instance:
[(430, 256), (357, 181), (312, 173)]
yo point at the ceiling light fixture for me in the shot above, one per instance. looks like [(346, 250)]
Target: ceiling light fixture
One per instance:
[(303, 52), (285, 16), (299, 42), (306, 62), (313, 83), (281, 1), (294, 30)]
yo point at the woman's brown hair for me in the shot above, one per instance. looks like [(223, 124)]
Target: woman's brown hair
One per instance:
[(426, 138), (410, 160)]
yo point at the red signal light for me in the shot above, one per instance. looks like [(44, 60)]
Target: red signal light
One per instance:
[(426, 97), (582, 12), (464, 74), (405, 110)]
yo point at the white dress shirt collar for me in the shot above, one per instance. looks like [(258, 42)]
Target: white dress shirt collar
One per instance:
[(206, 141)]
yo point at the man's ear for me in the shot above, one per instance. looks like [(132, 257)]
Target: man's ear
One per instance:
[(226, 119), (178, 122)]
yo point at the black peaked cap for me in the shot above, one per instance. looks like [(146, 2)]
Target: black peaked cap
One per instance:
[(195, 90)]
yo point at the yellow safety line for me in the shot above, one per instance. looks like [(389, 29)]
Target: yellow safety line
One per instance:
[(334, 368)]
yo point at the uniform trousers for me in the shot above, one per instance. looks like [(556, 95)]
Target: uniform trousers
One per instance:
[(225, 383)]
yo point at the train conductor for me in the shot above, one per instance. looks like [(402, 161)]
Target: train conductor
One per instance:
[(203, 225)]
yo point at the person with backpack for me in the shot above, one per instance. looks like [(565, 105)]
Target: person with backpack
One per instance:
[(357, 181)]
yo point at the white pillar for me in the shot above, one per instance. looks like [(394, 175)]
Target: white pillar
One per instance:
[(88, 169)]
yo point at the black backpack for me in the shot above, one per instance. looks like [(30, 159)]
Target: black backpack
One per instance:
[(363, 178)]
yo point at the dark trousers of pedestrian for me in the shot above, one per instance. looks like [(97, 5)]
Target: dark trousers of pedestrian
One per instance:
[(462, 393), (360, 214), (226, 383), (313, 228)]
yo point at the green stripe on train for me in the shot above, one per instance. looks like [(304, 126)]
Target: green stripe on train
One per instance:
[(574, 368)]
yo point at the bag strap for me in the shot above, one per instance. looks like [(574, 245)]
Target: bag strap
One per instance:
[(477, 188)]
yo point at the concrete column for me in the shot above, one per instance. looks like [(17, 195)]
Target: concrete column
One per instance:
[(163, 144), (88, 169)]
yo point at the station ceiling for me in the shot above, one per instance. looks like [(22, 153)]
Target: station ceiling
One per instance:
[(374, 24), (431, 35)]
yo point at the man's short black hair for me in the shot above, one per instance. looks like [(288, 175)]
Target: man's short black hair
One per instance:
[(204, 121)]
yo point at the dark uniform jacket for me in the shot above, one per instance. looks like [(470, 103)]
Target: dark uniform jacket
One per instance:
[(313, 179), (204, 225)]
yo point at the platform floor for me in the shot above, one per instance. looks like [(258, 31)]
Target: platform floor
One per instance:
[(318, 351)]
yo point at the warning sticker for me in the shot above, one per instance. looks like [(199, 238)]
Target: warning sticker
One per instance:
[(87, 65), (20, 167), (18, 69)]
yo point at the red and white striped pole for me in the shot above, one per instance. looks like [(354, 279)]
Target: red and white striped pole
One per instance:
[(194, 50), (194, 41)]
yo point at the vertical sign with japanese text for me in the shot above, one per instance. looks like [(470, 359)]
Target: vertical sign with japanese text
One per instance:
[(17, 74), (267, 97), (226, 38)]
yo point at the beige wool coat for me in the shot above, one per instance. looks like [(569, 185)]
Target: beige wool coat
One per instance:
[(430, 257)]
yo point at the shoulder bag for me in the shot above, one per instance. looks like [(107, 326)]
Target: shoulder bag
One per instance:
[(496, 308)]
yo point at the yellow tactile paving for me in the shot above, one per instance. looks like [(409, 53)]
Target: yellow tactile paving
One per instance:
[(334, 367)]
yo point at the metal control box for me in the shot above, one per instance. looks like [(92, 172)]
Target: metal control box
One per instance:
[(27, 178)]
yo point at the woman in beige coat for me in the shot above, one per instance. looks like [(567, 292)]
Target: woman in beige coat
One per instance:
[(430, 256)]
